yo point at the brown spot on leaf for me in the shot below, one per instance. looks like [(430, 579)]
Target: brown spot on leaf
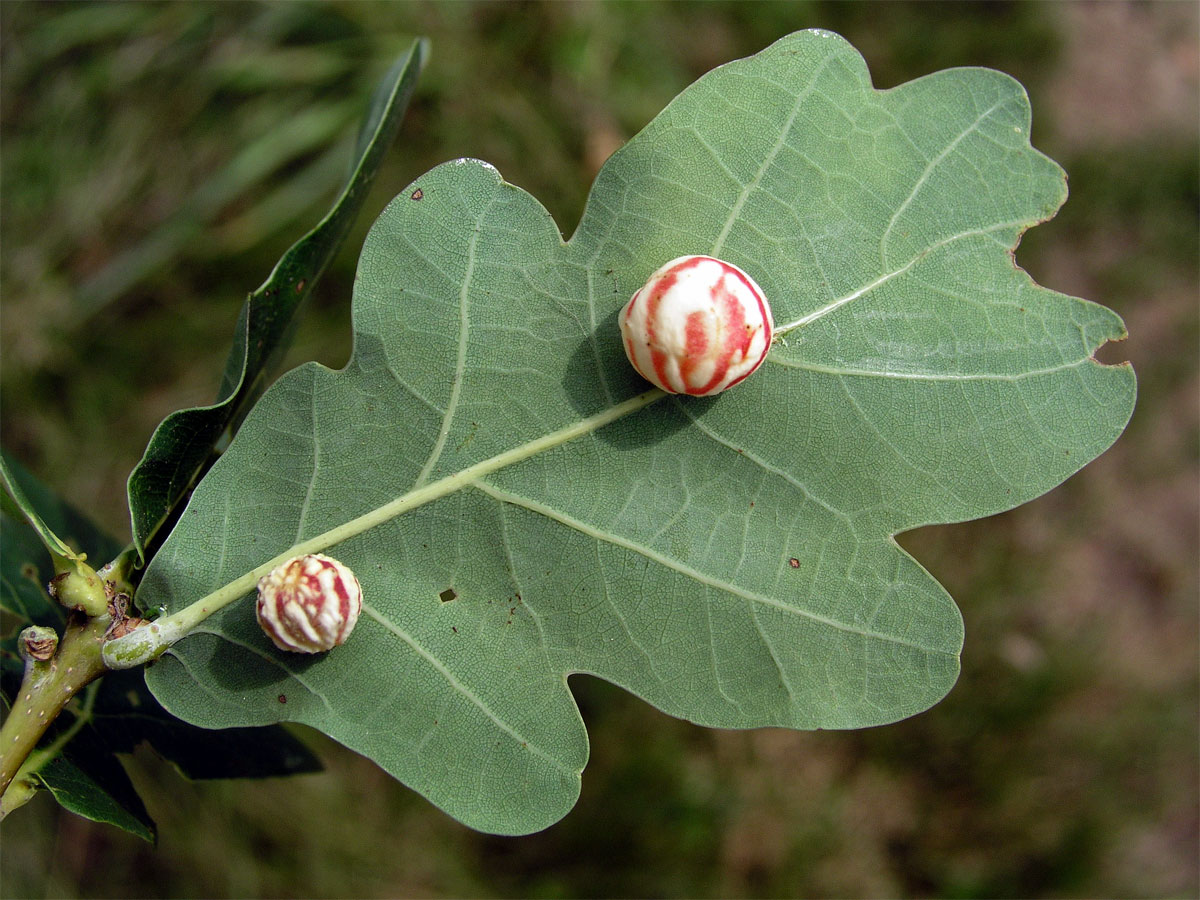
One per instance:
[(794, 563)]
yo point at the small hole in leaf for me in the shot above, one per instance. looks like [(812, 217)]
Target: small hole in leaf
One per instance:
[(447, 595), (794, 563)]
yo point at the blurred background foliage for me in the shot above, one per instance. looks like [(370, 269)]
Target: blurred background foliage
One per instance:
[(157, 158)]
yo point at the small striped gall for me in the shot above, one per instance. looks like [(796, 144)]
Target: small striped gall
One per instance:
[(308, 604), (699, 326)]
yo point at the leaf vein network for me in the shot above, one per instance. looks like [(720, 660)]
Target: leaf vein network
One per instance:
[(516, 584), (689, 572), (425, 401), (770, 645), (592, 331), (768, 158), (621, 617), (924, 176), (743, 453), (461, 688), (265, 657), (310, 488), (924, 376), (712, 656), (883, 439)]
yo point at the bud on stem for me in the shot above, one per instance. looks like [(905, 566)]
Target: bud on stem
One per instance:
[(80, 588)]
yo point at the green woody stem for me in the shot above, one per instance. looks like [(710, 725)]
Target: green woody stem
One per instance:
[(46, 689)]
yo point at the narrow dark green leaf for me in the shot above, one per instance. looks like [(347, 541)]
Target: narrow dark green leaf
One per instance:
[(25, 564), (23, 585), (13, 481), (183, 445), (90, 781)]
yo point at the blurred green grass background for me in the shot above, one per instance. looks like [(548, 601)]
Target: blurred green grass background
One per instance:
[(155, 160)]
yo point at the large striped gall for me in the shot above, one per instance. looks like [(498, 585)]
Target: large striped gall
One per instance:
[(308, 604), (698, 326)]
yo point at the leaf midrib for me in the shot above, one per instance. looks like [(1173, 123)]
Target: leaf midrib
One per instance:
[(838, 303), (181, 623)]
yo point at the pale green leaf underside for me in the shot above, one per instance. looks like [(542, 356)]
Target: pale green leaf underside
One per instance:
[(729, 560)]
